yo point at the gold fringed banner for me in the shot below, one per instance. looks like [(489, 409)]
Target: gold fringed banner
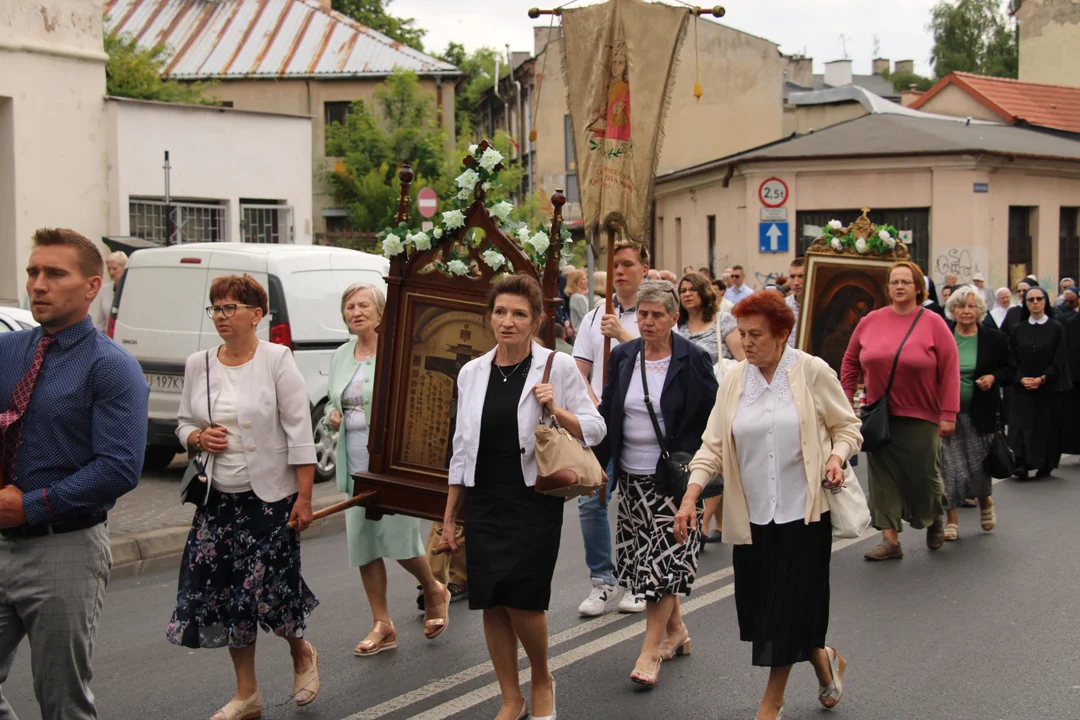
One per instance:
[(612, 52)]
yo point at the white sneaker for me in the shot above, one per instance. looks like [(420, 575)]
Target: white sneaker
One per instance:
[(596, 603), (631, 603)]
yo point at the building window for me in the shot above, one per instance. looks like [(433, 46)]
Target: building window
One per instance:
[(1068, 244), (334, 112), (573, 190), (338, 224), (151, 219), (265, 222), (1020, 244)]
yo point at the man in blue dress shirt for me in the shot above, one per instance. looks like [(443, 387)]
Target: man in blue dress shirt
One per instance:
[(738, 289), (73, 408)]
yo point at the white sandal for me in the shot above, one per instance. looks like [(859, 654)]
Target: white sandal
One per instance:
[(834, 690)]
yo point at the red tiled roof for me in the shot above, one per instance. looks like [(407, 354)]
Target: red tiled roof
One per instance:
[(1039, 104)]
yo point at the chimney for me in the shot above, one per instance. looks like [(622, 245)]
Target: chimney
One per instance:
[(904, 66), (838, 73), (540, 38), (881, 66), (800, 70)]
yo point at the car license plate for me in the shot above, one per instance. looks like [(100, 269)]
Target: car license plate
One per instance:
[(165, 383)]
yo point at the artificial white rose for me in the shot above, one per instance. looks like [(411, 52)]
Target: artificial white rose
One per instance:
[(837, 245), (884, 235), (890, 243), (486, 186), (468, 179), (464, 194), (540, 242), (472, 148), (563, 263), (493, 258), (861, 247), (437, 233), (457, 267), (490, 159), (392, 245), (420, 241), (501, 210), (835, 224), (523, 234), (453, 219)]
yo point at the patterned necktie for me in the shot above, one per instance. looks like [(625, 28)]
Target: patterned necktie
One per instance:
[(11, 419)]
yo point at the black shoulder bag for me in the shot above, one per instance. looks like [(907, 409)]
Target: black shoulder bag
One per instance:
[(195, 487), (875, 416), (673, 469)]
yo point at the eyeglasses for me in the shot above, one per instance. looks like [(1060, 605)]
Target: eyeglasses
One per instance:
[(900, 283), (1037, 298), (227, 311)]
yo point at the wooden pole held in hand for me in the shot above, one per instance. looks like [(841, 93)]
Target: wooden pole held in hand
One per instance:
[(333, 509), (609, 305)]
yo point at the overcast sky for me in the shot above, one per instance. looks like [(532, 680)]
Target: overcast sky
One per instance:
[(813, 27)]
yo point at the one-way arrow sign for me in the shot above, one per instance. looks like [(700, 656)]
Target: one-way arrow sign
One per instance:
[(773, 237)]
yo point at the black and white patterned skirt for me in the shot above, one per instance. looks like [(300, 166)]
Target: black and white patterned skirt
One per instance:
[(649, 561)]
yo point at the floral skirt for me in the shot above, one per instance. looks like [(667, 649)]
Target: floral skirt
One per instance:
[(240, 571), (962, 457)]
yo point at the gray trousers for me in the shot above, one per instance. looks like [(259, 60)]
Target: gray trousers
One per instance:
[(52, 590)]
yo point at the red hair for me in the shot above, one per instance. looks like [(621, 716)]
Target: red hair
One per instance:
[(769, 304)]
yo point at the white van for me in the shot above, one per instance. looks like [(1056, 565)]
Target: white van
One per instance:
[(159, 317)]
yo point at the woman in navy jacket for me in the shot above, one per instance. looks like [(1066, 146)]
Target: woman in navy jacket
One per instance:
[(681, 385)]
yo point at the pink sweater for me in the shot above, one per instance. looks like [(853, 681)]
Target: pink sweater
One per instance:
[(927, 382)]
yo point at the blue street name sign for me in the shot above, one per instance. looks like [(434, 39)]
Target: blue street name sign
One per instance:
[(773, 237)]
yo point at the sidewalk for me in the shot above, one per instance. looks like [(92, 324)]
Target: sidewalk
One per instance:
[(148, 527)]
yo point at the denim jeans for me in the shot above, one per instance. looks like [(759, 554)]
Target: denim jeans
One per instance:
[(596, 532)]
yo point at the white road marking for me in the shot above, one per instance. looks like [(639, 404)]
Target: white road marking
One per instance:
[(483, 694)]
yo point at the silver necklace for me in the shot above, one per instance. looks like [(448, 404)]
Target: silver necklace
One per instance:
[(507, 376)]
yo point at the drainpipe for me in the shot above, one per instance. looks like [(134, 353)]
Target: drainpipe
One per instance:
[(517, 88), (495, 87)]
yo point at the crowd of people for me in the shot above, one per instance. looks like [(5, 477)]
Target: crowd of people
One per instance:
[(699, 367)]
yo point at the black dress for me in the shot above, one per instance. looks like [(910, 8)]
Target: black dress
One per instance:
[(1035, 415), (1070, 434), (512, 532)]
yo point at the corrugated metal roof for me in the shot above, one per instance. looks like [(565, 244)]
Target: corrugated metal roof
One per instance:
[(1049, 106), (264, 38), (898, 135)]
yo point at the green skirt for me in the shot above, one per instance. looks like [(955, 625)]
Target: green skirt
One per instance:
[(396, 537), (905, 476)]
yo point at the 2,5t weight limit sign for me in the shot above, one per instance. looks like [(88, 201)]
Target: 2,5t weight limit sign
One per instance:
[(773, 192)]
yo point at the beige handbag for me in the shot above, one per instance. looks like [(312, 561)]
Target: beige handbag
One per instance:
[(564, 467)]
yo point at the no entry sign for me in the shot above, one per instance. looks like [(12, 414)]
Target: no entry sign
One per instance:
[(427, 202)]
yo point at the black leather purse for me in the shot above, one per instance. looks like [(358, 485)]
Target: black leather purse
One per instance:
[(673, 469), (875, 416), (999, 461), (195, 487)]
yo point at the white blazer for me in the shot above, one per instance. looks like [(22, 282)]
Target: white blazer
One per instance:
[(571, 394), (273, 412)]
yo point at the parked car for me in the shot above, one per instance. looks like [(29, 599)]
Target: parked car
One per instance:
[(159, 316), (12, 319)]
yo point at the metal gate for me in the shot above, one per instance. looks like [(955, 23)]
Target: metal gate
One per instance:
[(266, 223), (808, 224)]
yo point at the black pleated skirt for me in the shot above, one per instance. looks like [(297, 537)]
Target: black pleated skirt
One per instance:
[(782, 590)]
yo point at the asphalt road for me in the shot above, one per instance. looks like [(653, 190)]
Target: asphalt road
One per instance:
[(986, 628)]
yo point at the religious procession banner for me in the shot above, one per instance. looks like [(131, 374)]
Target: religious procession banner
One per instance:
[(612, 52)]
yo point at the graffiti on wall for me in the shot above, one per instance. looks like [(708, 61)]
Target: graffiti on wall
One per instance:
[(965, 262), (764, 279)]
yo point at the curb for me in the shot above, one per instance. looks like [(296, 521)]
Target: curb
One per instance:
[(155, 550)]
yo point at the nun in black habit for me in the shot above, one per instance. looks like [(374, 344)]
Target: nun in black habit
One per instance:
[(1042, 377), (1070, 433)]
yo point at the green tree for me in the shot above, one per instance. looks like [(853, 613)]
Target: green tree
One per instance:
[(478, 69), (904, 81), (135, 72), (374, 140), (973, 36), (373, 13)]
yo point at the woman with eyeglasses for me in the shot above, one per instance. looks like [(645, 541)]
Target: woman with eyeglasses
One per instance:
[(1038, 344), (905, 475), (250, 420)]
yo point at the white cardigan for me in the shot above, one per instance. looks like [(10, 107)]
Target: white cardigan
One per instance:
[(273, 412), (571, 394)]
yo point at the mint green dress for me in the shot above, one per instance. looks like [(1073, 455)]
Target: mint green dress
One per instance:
[(349, 391)]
